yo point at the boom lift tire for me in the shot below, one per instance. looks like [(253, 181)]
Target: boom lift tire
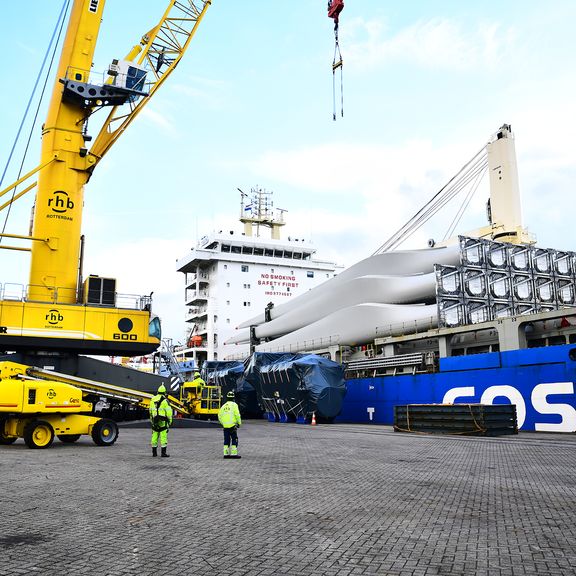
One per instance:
[(38, 434), (69, 438), (3, 438), (105, 432)]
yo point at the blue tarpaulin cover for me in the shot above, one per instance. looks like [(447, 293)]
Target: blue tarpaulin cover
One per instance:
[(229, 375), (296, 384)]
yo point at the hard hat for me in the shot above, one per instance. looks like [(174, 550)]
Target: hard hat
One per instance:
[(196, 374), (161, 389), (230, 395)]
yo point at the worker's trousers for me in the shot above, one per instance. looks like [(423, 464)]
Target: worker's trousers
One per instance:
[(230, 436), (162, 435)]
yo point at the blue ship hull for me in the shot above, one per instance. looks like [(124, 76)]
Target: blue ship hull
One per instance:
[(540, 381)]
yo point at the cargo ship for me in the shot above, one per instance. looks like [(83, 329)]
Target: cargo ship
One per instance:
[(487, 317)]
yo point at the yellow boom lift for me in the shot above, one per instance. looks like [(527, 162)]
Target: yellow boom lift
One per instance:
[(60, 315)]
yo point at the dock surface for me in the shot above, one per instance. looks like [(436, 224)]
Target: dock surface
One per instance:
[(304, 500)]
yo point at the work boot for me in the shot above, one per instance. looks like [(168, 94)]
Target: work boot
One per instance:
[(154, 451), (226, 450), (164, 455), (234, 451)]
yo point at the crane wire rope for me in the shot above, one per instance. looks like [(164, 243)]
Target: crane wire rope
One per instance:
[(337, 64), (57, 31), (468, 173), (464, 205)]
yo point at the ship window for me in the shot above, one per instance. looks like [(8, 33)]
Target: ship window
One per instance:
[(556, 340), (268, 252), (245, 268), (478, 349), (288, 255), (572, 338), (297, 256), (536, 343), (458, 352), (236, 250), (225, 248), (258, 251), (278, 253), (225, 266), (310, 274), (247, 250)]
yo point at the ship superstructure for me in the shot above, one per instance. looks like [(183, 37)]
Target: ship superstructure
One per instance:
[(231, 276)]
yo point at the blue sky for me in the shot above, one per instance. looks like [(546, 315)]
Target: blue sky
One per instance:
[(425, 86)]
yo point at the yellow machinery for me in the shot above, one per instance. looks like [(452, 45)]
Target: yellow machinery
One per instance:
[(202, 402), (60, 310), (37, 404), (60, 313)]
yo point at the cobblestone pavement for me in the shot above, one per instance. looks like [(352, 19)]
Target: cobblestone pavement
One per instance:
[(303, 500)]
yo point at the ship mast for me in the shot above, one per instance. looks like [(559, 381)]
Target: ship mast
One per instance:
[(257, 209)]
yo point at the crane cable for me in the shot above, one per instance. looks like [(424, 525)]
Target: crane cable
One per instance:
[(458, 216), (57, 31), (337, 64), (472, 171), (335, 7)]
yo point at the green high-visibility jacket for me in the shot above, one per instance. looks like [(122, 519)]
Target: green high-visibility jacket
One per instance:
[(198, 382), (160, 413), (229, 415)]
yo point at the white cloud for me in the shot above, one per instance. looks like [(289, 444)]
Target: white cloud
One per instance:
[(158, 119), (435, 43)]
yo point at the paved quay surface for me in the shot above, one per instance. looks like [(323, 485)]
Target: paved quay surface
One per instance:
[(303, 500)]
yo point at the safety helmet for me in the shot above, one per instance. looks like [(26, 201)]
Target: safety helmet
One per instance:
[(161, 389), (196, 374), (230, 395)]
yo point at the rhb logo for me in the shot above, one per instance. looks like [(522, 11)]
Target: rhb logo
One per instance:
[(60, 202), (53, 317)]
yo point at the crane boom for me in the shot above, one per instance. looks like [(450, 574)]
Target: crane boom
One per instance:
[(160, 49)]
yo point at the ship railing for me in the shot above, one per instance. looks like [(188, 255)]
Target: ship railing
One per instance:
[(69, 296), (314, 345), (405, 328), (385, 365)]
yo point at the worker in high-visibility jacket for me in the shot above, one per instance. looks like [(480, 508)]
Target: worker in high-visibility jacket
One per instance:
[(199, 383), (229, 418), (161, 420)]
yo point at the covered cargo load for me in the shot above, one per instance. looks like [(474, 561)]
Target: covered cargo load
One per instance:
[(293, 387), (229, 375)]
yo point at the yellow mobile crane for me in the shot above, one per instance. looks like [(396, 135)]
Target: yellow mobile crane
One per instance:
[(61, 315)]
